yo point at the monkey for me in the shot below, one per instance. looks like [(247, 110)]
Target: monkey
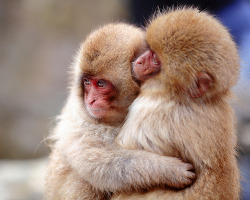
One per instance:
[(183, 107), (85, 162)]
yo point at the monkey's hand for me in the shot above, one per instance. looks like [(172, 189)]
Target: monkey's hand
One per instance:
[(178, 174)]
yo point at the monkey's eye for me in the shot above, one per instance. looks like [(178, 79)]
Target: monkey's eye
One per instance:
[(86, 82), (101, 83), (156, 60)]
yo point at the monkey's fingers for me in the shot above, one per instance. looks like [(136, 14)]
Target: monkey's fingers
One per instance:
[(191, 175), (190, 167), (183, 176)]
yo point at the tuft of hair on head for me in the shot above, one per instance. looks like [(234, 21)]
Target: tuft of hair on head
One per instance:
[(189, 41)]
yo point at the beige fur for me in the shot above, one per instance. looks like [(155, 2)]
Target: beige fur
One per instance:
[(164, 118), (85, 162)]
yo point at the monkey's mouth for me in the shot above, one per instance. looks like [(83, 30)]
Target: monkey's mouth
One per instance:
[(98, 112)]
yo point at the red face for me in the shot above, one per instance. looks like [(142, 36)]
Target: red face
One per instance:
[(147, 65), (98, 96)]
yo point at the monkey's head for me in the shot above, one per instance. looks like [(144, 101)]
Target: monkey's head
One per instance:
[(198, 56), (105, 86)]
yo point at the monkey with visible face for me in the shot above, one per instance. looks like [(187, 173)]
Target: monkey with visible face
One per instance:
[(86, 163), (182, 109)]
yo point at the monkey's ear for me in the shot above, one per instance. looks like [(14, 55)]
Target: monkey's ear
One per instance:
[(202, 83)]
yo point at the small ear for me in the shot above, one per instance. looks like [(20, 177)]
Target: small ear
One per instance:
[(202, 83)]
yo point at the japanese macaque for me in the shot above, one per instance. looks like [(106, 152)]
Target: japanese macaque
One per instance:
[(86, 163), (182, 109)]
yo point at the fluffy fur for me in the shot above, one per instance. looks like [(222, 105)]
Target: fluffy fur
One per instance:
[(85, 162), (164, 118)]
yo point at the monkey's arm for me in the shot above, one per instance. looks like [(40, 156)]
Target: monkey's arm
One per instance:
[(108, 167)]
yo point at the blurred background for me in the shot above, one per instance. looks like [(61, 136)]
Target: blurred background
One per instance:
[(37, 42)]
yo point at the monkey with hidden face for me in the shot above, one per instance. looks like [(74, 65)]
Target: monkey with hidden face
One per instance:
[(182, 109), (85, 162)]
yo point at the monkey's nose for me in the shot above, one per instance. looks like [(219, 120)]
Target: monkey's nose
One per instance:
[(92, 101), (140, 62)]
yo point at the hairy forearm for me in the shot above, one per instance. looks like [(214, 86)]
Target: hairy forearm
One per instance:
[(114, 169), (110, 168)]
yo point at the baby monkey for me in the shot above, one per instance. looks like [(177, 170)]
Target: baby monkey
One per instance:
[(182, 109)]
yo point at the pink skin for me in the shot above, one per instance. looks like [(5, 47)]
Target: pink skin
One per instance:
[(146, 65), (97, 95), (203, 82)]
